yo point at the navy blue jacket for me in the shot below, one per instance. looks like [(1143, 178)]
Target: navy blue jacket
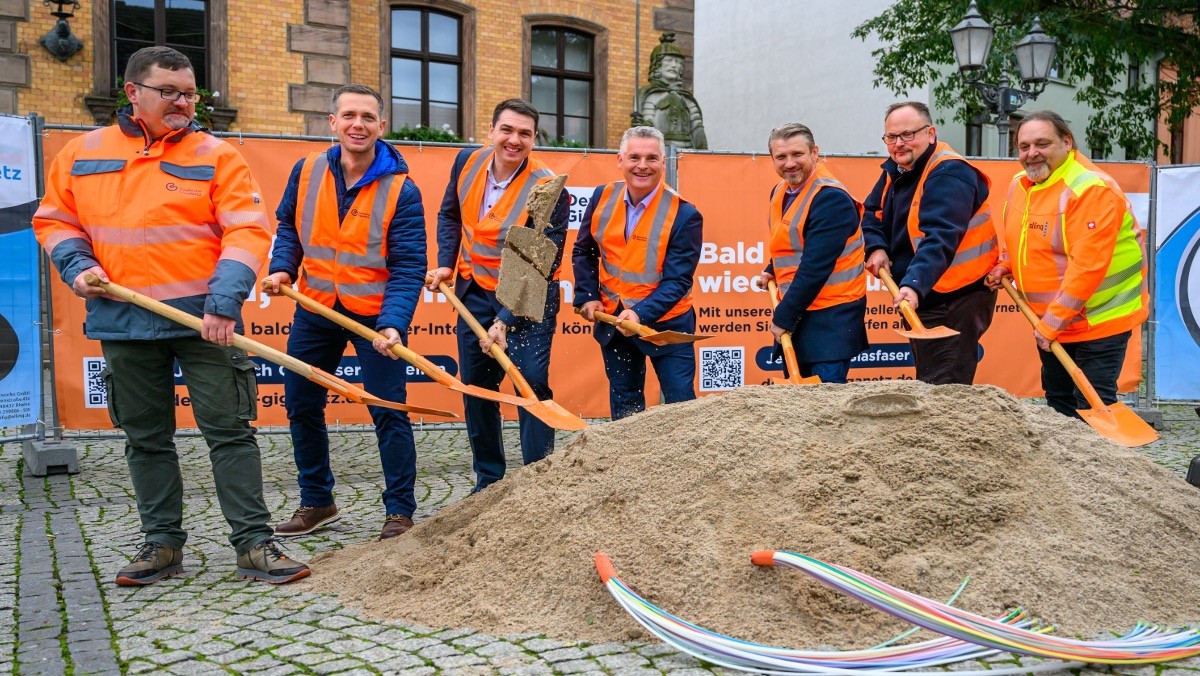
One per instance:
[(449, 240), (953, 193), (678, 273), (406, 262), (837, 332)]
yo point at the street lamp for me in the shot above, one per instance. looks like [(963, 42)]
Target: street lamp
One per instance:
[(972, 39), (59, 41)]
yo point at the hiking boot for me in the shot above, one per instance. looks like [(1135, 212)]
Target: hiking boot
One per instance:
[(396, 524), (266, 562), (306, 520), (152, 563)]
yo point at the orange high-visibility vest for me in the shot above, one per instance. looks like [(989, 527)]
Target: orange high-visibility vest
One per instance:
[(847, 282), (1076, 252), (151, 213), (483, 238), (980, 247), (631, 270), (344, 259)]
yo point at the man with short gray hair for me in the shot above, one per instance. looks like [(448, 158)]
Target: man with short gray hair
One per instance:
[(635, 257)]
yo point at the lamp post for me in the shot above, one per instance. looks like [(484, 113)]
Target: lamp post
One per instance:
[(972, 39)]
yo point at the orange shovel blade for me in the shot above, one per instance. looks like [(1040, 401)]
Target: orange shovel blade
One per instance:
[(926, 334), (795, 380), (1119, 423), (554, 415), (369, 400)]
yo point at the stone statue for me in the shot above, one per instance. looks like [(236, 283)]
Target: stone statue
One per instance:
[(664, 104)]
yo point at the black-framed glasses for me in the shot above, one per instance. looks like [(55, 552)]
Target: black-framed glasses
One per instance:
[(905, 136), (171, 94)]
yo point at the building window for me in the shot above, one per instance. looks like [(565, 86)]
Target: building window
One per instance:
[(561, 79), (1134, 79), (427, 65), (1058, 71), (179, 24), (1176, 151)]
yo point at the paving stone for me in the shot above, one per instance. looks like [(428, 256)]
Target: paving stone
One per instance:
[(399, 663), (655, 649), (499, 648), (349, 646), (539, 645), (337, 666), (457, 661), (437, 650), (606, 649), (563, 655), (676, 661), (235, 655), (622, 660), (576, 666)]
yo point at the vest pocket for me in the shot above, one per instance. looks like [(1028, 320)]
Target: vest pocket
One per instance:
[(97, 187), (247, 387)]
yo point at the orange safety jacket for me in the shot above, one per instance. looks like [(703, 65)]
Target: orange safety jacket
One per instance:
[(483, 238), (630, 270), (1076, 252), (179, 220), (847, 282), (345, 259), (979, 249)]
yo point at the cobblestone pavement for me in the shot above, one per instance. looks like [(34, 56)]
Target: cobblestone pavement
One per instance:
[(62, 539)]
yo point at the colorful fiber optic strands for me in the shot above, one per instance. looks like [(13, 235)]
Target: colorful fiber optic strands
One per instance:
[(734, 653), (1143, 644)]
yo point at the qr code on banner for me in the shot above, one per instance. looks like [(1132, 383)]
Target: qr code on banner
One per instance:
[(94, 394), (722, 368)]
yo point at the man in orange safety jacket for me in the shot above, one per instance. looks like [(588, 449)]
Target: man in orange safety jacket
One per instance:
[(164, 208), (1076, 255)]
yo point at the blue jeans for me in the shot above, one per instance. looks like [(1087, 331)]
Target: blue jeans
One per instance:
[(529, 349), (321, 343), (1100, 360), (625, 366)]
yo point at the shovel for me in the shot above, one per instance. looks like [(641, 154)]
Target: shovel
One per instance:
[(547, 411), (528, 256), (1113, 421), (648, 334), (789, 350), (918, 329), (422, 364), (326, 380)]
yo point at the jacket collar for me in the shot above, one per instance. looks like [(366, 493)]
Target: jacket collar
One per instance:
[(894, 171), (133, 127), (388, 160)]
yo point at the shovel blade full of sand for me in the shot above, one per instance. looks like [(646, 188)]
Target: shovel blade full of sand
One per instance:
[(528, 256)]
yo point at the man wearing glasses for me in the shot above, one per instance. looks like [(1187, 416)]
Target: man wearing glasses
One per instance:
[(173, 213), (927, 222)]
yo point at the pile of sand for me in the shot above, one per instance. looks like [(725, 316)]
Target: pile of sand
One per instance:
[(919, 486)]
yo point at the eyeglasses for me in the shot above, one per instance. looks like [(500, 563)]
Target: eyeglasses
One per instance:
[(172, 95), (905, 136)]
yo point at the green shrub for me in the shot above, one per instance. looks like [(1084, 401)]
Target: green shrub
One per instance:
[(425, 134)]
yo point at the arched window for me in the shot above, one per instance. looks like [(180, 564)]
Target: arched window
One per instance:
[(427, 69), (562, 67)]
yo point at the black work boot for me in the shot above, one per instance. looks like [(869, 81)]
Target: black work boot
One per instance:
[(266, 562), (152, 563)]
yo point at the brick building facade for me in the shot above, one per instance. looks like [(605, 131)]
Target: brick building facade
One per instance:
[(274, 65)]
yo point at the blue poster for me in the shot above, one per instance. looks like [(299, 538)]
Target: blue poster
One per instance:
[(1177, 284), (20, 290)]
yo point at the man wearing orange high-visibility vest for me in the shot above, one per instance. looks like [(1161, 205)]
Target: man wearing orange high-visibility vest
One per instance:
[(485, 197), (816, 250), (927, 222), (635, 257), (164, 208), (352, 235), (1075, 252)]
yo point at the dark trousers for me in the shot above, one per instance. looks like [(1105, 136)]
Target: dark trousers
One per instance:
[(1100, 360), (320, 342), (827, 371), (140, 384), (529, 349), (947, 361), (625, 366)]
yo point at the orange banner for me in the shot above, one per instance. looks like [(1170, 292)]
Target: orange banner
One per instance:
[(730, 190)]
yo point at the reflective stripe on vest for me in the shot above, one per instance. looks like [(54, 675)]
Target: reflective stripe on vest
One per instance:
[(344, 259), (847, 281), (979, 249), (630, 270), (483, 238)]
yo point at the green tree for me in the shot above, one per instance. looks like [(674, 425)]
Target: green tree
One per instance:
[(1097, 39)]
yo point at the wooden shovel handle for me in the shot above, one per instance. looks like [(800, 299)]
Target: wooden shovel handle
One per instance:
[(634, 327), (193, 322), (906, 308), (497, 352), (1076, 373), (425, 366), (789, 350)]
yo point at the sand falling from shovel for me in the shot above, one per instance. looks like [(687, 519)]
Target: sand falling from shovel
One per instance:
[(917, 485), (528, 256)]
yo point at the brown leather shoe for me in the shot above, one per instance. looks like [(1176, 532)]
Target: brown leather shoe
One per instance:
[(306, 520), (396, 524)]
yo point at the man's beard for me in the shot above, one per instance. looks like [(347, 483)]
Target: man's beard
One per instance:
[(1039, 173), (176, 120)]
